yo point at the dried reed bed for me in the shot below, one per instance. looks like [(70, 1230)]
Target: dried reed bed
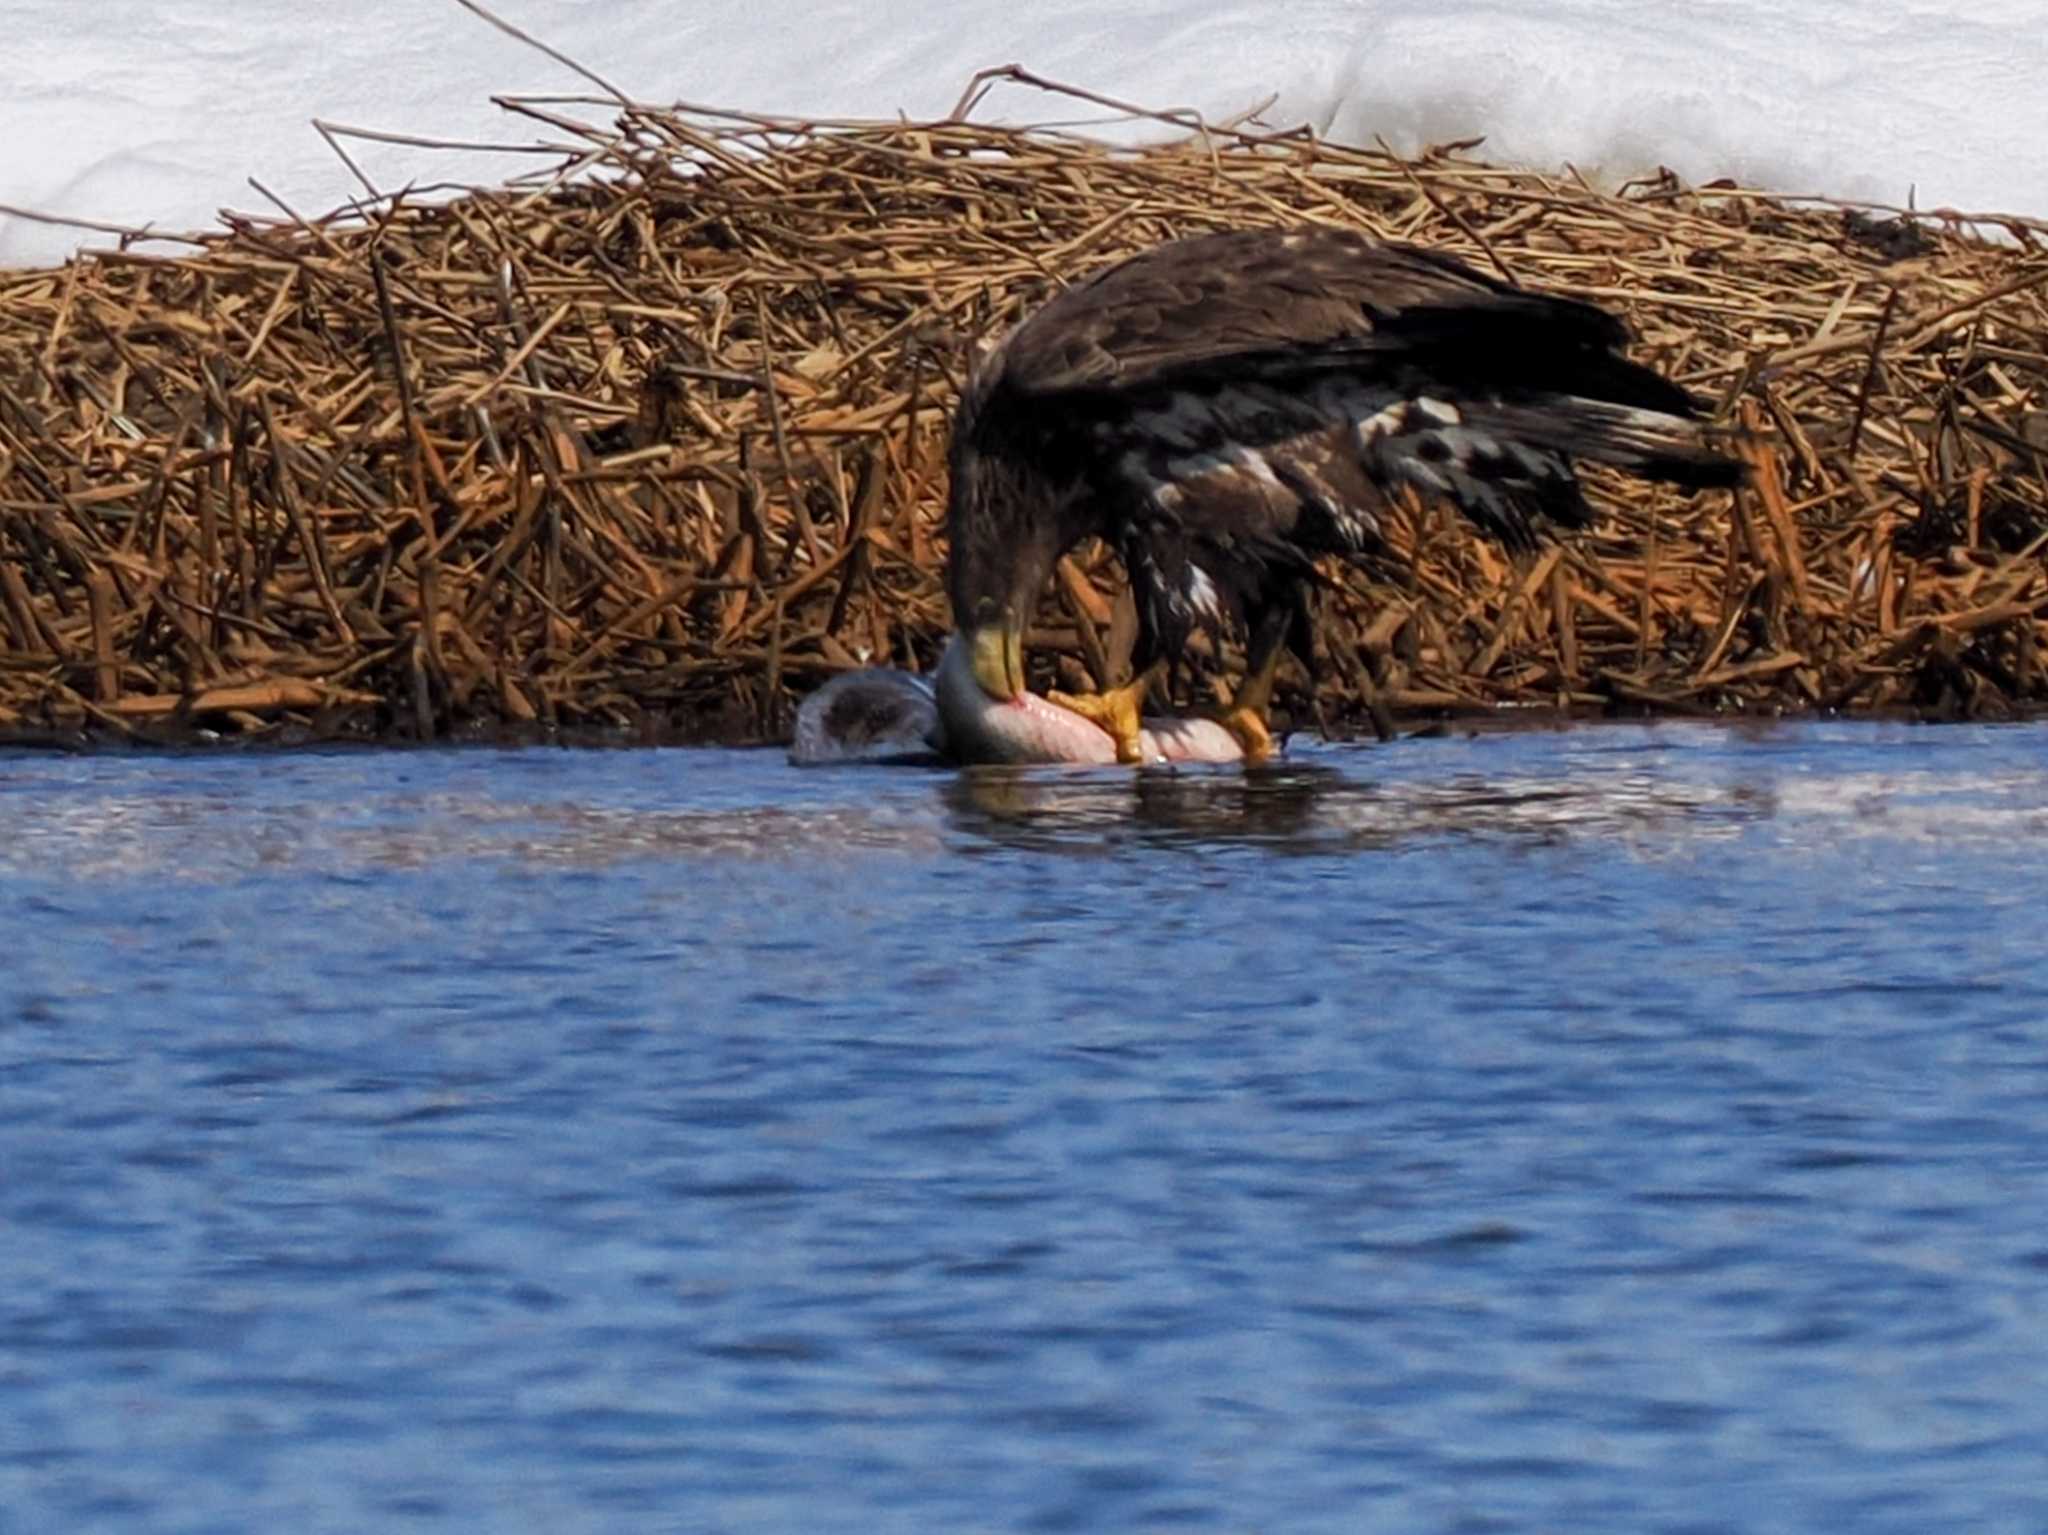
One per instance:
[(658, 443)]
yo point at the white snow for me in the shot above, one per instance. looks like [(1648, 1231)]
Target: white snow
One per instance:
[(156, 111)]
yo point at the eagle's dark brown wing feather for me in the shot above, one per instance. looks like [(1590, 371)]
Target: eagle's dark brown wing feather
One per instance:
[(1309, 299), (1196, 301)]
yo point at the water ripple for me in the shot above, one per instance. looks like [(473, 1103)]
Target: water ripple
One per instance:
[(1625, 1129)]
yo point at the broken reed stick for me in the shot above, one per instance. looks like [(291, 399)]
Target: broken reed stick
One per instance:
[(562, 454), (99, 586), (252, 698)]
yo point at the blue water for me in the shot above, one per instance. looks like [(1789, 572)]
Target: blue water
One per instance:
[(1621, 1129)]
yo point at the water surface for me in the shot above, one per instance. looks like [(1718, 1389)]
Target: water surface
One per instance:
[(1621, 1129)]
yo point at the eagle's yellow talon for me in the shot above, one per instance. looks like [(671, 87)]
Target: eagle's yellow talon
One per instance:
[(1249, 726), (1118, 711), (1245, 718)]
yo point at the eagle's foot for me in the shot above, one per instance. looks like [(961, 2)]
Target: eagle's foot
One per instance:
[(1245, 717), (1119, 711), (1248, 725)]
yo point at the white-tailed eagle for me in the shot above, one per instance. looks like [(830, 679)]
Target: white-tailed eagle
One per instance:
[(1224, 410)]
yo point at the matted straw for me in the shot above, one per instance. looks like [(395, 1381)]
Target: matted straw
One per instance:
[(656, 442)]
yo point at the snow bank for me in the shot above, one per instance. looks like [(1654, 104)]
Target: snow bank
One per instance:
[(155, 111)]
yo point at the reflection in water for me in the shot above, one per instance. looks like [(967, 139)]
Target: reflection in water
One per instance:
[(1310, 807), (1653, 791)]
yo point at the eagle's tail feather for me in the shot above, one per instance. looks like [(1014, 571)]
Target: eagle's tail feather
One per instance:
[(1652, 443), (1507, 464)]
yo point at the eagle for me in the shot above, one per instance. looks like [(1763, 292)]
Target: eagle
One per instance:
[(1225, 410)]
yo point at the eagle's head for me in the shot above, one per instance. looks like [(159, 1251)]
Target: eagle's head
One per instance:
[(1002, 544), (1010, 515)]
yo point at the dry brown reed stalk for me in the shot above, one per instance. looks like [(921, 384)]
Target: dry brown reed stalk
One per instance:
[(658, 443)]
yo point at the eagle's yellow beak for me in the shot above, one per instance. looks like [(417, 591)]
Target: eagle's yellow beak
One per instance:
[(996, 655)]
